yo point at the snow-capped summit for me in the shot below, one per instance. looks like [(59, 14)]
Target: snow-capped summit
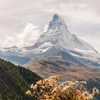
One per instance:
[(56, 32), (56, 22), (58, 36)]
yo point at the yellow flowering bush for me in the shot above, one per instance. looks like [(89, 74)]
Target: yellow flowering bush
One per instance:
[(52, 89)]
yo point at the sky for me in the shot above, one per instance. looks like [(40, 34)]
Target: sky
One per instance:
[(22, 21)]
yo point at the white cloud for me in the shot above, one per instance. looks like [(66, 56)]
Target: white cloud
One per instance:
[(25, 38), (29, 36), (93, 41)]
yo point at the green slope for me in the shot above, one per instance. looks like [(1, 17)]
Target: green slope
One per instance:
[(14, 81)]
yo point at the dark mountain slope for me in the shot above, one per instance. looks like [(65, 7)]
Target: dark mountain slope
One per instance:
[(14, 81)]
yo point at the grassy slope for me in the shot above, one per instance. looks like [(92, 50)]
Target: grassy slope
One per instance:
[(14, 81)]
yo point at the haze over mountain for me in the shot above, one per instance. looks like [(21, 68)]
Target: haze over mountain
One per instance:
[(55, 41)]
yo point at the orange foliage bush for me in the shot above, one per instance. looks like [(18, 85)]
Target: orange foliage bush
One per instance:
[(52, 89)]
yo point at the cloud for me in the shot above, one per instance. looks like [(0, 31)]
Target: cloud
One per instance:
[(93, 41), (27, 37)]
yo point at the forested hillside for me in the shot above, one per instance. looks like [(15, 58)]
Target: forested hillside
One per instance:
[(14, 81)]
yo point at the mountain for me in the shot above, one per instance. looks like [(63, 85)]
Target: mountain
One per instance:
[(58, 41), (14, 81), (55, 41), (58, 36)]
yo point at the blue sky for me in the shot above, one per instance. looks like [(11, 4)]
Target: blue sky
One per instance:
[(20, 19)]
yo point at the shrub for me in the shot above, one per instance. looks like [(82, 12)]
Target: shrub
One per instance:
[(52, 89)]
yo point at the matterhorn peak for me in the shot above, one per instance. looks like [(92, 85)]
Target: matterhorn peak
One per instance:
[(58, 36), (56, 17), (56, 22)]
